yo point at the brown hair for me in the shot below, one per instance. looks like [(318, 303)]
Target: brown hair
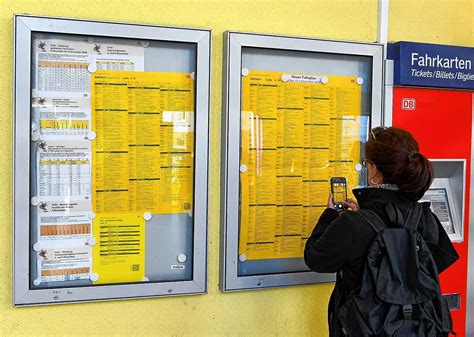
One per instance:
[(396, 154)]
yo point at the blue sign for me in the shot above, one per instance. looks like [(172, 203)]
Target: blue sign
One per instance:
[(432, 65)]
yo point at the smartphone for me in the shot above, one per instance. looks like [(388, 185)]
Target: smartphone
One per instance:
[(339, 192)]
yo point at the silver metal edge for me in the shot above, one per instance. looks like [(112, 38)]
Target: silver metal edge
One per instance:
[(234, 61), (201, 175), (470, 241), (23, 296), (13, 291), (224, 154), (118, 29), (388, 94), (21, 155), (208, 130), (245, 37), (108, 293), (235, 42), (377, 86), (282, 280)]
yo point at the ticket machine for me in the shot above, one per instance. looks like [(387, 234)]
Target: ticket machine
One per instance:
[(431, 95)]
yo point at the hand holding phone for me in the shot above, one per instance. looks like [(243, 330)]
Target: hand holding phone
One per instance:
[(339, 192), (352, 204)]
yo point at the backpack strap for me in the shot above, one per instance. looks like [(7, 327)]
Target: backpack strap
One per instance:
[(414, 217), (372, 218), (396, 217), (394, 214)]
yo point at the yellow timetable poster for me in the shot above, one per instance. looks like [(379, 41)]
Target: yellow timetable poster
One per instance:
[(298, 131), (119, 255), (142, 157), (58, 125)]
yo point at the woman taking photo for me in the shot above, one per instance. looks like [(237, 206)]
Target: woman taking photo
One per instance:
[(343, 242)]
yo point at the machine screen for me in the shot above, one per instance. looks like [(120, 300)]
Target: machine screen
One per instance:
[(440, 206)]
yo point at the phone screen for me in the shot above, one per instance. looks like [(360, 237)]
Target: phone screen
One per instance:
[(339, 192)]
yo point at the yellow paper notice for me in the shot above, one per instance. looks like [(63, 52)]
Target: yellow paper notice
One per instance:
[(143, 152), (119, 255), (298, 131)]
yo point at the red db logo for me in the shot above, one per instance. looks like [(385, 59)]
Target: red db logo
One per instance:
[(408, 104)]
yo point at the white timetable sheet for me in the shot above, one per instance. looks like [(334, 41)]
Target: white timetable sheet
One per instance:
[(63, 170)]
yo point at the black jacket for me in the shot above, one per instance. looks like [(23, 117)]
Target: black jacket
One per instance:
[(339, 243)]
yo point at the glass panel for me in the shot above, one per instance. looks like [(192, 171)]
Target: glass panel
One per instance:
[(305, 117), (112, 161)]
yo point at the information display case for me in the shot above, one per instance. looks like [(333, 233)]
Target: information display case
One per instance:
[(110, 152), (297, 112)]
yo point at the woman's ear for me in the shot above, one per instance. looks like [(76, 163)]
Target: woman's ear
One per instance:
[(374, 174), (372, 168), (377, 173)]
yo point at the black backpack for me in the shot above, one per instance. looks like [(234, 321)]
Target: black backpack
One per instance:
[(400, 294)]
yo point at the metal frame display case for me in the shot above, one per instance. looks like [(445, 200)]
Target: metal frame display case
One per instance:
[(277, 53), (165, 44)]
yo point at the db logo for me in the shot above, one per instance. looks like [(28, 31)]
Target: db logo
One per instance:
[(408, 104)]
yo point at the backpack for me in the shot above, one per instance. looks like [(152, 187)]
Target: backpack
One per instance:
[(400, 293)]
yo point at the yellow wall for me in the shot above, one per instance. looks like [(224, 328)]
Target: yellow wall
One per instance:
[(291, 311), (432, 21)]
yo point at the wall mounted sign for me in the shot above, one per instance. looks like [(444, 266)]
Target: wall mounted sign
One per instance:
[(432, 65)]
